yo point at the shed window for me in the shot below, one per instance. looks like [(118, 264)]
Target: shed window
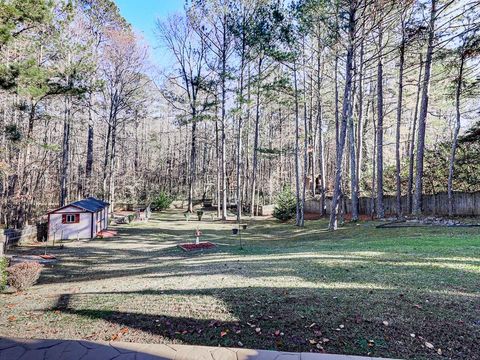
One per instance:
[(70, 218)]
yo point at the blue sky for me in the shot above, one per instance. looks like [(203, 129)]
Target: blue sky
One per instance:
[(142, 14)]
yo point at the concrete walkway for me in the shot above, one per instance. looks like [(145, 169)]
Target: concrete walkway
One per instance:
[(21, 349)]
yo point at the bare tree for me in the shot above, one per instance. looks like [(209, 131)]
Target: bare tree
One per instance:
[(189, 51), (422, 120), (351, 10), (122, 69)]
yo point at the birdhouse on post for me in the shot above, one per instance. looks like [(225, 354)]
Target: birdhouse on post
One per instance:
[(198, 233)]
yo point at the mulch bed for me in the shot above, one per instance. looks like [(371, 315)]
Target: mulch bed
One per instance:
[(195, 247), (107, 234)]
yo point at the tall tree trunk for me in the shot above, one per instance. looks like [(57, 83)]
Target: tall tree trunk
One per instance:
[(422, 121), (347, 104), (89, 161), (65, 152), (380, 207), (224, 166), (224, 94), (298, 216), (219, 164), (398, 179), (353, 165), (374, 167), (305, 141), (193, 154), (239, 136), (337, 115), (358, 170), (451, 168), (256, 138), (321, 139), (112, 169), (411, 150), (312, 139)]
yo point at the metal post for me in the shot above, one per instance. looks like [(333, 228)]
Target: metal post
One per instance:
[(240, 232)]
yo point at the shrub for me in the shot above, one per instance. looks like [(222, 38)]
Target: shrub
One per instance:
[(3, 272), (286, 206), (24, 275), (161, 202)]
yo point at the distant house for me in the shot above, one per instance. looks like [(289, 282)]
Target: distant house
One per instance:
[(82, 219)]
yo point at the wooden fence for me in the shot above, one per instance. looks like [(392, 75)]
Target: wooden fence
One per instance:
[(29, 233), (464, 204)]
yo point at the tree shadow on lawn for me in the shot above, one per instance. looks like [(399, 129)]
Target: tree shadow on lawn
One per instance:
[(317, 267), (324, 280), (305, 316)]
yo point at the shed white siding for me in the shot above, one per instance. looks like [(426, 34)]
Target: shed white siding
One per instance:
[(70, 231), (91, 217), (101, 220)]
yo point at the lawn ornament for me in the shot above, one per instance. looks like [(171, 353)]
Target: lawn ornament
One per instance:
[(198, 233)]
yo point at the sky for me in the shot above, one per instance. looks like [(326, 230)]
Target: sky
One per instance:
[(142, 14)]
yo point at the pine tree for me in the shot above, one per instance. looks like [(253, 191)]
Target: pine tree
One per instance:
[(286, 206)]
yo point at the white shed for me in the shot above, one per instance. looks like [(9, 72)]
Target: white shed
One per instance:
[(82, 219)]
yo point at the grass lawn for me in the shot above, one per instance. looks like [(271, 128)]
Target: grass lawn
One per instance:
[(402, 293)]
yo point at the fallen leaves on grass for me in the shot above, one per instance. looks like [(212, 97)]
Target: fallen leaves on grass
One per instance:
[(118, 335), (12, 318), (429, 345)]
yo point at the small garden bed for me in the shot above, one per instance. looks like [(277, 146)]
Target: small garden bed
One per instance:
[(195, 247)]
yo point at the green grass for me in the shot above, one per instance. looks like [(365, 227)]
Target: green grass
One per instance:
[(364, 289)]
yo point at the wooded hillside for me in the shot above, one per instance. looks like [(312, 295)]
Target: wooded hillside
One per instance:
[(327, 97)]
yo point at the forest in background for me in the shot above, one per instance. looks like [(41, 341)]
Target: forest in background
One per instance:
[(330, 98)]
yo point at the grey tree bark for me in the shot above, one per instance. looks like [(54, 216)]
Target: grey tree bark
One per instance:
[(398, 179), (451, 168), (89, 158), (359, 154), (256, 137), (380, 118), (411, 150), (65, 151), (347, 104), (297, 148), (422, 121), (353, 166)]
